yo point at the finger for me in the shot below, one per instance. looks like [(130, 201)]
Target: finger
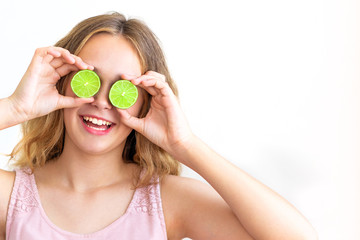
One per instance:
[(150, 81), (53, 51), (49, 53), (57, 62), (67, 57), (128, 76), (63, 53), (163, 87), (47, 58), (57, 52), (151, 90), (90, 67), (142, 78), (80, 63), (131, 121), (66, 69), (157, 75), (71, 102)]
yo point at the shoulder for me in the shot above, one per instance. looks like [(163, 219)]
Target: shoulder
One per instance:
[(176, 196), (192, 208), (184, 199), (189, 193), (7, 179), (174, 187)]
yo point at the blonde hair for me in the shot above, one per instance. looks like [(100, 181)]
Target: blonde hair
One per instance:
[(43, 137)]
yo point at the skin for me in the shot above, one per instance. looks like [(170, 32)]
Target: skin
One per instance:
[(88, 175)]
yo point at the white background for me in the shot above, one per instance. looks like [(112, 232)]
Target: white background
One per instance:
[(271, 85)]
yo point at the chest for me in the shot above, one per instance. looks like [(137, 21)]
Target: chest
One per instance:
[(85, 212), (40, 209)]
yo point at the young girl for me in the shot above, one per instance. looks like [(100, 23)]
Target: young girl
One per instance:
[(88, 170)]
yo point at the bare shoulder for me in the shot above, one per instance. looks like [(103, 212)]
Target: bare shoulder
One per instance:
[(194, 209), (176, 195), (7, 179), (182, 192), (175, 188)]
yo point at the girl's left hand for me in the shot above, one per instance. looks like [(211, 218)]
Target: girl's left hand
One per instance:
[(165, 124)]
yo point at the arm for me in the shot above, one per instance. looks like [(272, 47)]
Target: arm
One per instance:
[(244, 206), (10, 116), (263, 213)]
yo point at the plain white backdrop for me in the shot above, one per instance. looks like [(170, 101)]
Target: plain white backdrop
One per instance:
[(271, 85)]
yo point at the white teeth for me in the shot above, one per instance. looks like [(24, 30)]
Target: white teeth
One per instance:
[(97, 121)]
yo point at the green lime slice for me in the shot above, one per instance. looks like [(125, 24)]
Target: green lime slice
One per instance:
[(123, 94), (85, 83)]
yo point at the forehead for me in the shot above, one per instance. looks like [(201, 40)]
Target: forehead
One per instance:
[(111, 55)]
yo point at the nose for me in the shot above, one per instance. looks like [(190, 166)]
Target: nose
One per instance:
[(101, 99)]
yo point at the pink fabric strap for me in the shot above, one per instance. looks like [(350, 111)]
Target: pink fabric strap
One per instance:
[(26, 220)]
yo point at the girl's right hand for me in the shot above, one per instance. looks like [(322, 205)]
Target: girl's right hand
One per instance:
[(36, 94)]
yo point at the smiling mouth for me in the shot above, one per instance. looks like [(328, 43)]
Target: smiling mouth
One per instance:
[(97, 124)]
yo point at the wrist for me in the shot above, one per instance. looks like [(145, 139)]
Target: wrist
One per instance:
[(184, 149), (182, 145), (16, 110)]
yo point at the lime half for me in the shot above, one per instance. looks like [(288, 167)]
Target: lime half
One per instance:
[(85, 83), (123, 94)]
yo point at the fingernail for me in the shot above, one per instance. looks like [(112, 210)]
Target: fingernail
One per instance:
[(84, 65), (72, 60)]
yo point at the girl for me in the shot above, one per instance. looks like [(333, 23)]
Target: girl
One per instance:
[(85, 169)]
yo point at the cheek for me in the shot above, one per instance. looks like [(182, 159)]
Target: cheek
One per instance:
[(68, 90), (68, 112), (68, 115), (136, 108)]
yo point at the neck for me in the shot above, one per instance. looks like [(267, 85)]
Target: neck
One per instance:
[(84, 172)]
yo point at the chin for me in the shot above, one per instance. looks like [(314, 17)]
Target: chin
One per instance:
[(96, 149), (93, 145)]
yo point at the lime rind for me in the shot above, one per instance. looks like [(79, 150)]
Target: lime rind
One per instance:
[(123, 94), (85, 83)]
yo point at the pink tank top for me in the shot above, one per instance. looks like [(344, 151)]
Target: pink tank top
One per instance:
[(26, 219)]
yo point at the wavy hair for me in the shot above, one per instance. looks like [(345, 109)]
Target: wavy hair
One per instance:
[(43, 137)]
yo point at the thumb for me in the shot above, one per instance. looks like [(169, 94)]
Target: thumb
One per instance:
[(71, 102), (131, 121)]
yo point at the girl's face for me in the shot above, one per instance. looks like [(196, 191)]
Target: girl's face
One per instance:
[(111, 56)]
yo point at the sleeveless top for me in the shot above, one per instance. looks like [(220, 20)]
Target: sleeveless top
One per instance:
[(27, 220)]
